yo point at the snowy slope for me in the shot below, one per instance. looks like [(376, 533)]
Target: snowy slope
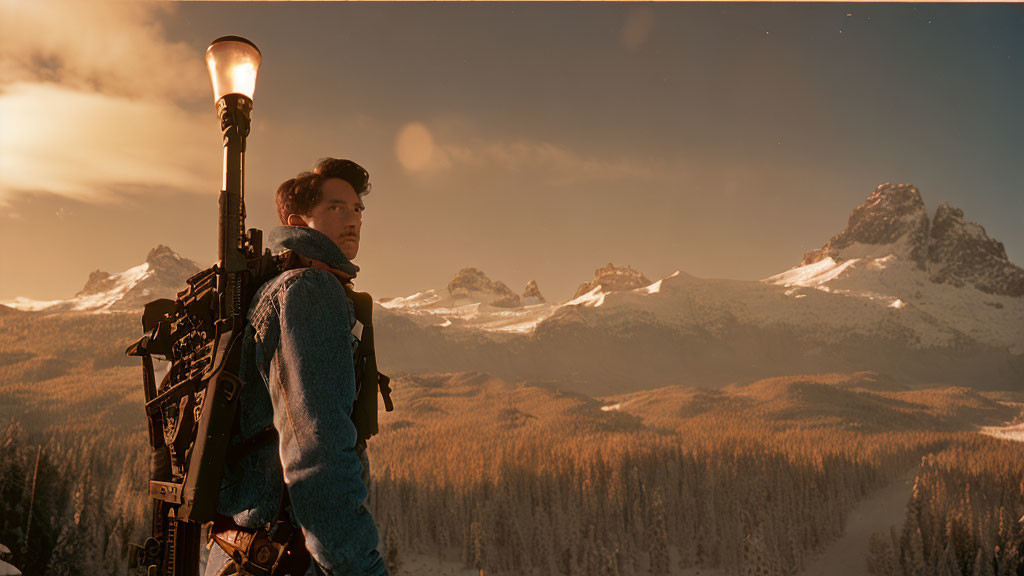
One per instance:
[(442, 309), (430, 308), (123, 284), (687, 330), (991, 319), (160, 276), (1014, 432)]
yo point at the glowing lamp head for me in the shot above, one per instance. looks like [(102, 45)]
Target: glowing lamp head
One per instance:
[(233, 62)]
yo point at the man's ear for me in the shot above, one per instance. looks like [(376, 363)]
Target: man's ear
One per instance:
[(297, 220)]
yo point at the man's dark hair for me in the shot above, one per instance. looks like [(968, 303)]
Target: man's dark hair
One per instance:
[(346, 170), (300, 194)]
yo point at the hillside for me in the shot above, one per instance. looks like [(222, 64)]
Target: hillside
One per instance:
[(511, 478), (862, 402)]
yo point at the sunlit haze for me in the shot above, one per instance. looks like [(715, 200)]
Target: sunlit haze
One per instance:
[(532, 141)]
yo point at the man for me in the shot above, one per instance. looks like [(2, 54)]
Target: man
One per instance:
[(297, 362)]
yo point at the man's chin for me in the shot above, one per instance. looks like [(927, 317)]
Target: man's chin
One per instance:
[(349, 249)]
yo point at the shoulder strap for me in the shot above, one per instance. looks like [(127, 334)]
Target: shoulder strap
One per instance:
[(364, 411)]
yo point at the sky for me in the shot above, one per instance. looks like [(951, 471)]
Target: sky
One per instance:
[(534, 141)]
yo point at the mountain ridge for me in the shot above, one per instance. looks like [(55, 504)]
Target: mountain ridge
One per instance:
[(867, 301)]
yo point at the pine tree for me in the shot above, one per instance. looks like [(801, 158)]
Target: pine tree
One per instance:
[(542, 552), (948, 565), (658, 544), (391, 546), (881, 557), (755, 556), (478, 546), (1010, 563), (983, 564)]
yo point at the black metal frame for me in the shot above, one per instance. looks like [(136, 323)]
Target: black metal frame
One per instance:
[(192, 411)]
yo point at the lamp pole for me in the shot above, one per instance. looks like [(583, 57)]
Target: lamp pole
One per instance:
[(233, 63)]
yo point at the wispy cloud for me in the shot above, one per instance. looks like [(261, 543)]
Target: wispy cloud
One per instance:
[(93, 100), (115, 48), (86, 145), (553, 162)]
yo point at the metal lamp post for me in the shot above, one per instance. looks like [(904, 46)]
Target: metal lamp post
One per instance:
[(233, 62)]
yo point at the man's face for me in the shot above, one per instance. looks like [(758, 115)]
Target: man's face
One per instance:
[(338, 215)]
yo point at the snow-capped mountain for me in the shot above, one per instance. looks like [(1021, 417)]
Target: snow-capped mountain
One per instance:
[(472, 300), (923, 299), (473, 285), (944, 267), (162, 275), (532, 295), (892, 226), (613, 278), (926, 299), (893, 215)]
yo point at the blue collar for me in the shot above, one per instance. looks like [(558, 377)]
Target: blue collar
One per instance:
[(310, 244)]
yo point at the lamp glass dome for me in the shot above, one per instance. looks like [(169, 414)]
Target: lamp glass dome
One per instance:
[(233, 63)]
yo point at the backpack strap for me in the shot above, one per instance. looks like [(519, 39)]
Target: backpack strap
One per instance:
[(369, 381)]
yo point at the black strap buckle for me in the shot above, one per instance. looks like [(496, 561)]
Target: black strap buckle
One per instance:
[(384, 383)]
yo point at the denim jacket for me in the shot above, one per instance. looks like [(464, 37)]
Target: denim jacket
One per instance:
[(299, 375)]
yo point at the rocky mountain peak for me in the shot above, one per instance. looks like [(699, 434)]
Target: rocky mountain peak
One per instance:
[(163, 260), (948, 247), (894, 214), (162, 275), (613, 278), (167, 271), (165, 276), (961, 252), (99, 281), (473, 284), (531, 294)]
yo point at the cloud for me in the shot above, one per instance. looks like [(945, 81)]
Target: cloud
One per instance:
[(552, 163), (459, 147), (88, 146), (94, 102), (113, 48)]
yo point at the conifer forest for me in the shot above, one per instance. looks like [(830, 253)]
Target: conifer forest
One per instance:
[(510, 478)]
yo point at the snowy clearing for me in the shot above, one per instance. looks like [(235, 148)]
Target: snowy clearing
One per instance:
[(1014, 432), (848, 555)]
